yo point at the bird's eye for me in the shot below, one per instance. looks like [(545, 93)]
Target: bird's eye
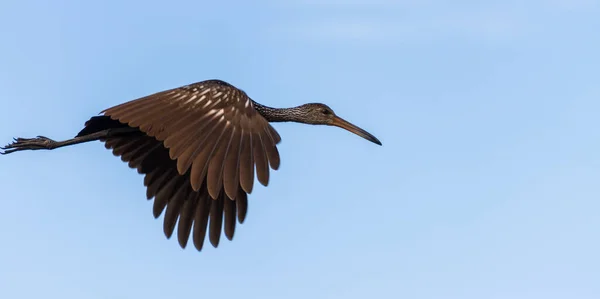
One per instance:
[(325, 111)]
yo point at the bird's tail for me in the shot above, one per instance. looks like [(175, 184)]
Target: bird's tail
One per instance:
[(100, 123)]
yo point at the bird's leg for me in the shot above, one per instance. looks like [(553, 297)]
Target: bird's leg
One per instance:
[(42, 142)]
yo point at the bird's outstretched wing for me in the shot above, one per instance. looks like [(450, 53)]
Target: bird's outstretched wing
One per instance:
[(211, 130), (198, 148)]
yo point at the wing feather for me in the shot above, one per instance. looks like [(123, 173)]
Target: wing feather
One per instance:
[(262, 166), (214, 176), (201, 220), (271, 149), (246, 163), (186, 218), (201, 161), (230, 171), (171, 215), (229, 219), (216, 220), (241, 201)]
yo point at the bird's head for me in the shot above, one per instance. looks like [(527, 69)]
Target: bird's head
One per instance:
[(321, 114)]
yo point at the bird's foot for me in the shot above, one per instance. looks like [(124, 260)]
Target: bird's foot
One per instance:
[(20, 144)]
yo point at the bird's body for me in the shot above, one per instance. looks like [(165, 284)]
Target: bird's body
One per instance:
[(199, 147)]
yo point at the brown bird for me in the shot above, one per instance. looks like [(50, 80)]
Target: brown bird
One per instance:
[(198, 147)]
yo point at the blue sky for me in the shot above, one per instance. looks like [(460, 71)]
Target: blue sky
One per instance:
[(486, 186)]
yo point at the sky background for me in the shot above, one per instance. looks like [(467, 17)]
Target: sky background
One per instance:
[(487, 184)]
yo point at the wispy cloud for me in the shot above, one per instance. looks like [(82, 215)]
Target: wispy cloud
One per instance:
[(576, 4), (573, 4), (347, 3), (411, 20), (413, 29)]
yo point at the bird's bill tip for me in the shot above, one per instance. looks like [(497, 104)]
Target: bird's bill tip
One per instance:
[(344, 124)]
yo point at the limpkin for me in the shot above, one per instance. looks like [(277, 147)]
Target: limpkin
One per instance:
[(198, 147)]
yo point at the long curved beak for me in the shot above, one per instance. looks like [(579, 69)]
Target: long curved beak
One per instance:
[(342, 123)]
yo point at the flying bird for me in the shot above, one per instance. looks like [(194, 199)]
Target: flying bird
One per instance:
[(199, 147)]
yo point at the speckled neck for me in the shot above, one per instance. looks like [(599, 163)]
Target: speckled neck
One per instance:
[(294, 114)]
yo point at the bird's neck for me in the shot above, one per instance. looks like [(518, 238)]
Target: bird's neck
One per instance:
[(271, 114)]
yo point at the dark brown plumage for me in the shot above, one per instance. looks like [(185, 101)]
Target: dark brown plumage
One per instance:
[(198, 147)]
